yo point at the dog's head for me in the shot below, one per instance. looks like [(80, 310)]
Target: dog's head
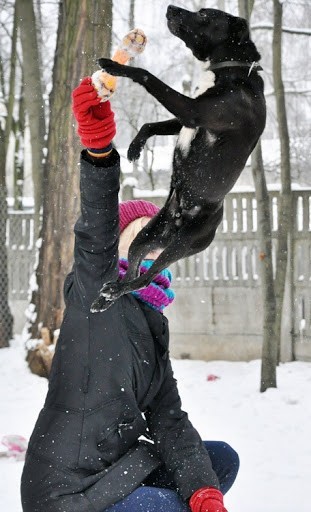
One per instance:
[(205, 30)]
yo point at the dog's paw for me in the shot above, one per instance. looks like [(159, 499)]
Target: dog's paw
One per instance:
[(100, 304), (108, 294), (111, 291), (112, 67), (135, 149)]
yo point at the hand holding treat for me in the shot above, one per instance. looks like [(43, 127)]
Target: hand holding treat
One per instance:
[(96, 125), (131, 45)]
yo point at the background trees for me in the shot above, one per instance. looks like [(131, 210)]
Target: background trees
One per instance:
[(29, 30), (83, 35), (6, 126), (33, 96)]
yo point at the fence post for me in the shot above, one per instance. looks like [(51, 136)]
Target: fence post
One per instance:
[(127, 192)]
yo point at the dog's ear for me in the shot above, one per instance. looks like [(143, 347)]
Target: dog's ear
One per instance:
[(241, 29)]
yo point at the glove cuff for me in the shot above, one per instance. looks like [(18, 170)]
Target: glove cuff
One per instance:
[(100, 151)]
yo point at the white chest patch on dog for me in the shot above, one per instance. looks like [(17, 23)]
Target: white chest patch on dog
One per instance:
[(186, 135), (207, 79)]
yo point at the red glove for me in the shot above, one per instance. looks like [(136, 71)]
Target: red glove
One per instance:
[(207, 499), (96, 125)]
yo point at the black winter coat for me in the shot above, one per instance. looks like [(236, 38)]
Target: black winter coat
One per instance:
[(108, 369)]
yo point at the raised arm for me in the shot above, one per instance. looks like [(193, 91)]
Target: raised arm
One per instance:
[(97, 229)]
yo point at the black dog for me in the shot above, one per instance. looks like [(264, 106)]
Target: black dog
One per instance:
[(218, 129)]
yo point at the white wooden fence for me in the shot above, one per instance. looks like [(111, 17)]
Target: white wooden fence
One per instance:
[(218, 309)]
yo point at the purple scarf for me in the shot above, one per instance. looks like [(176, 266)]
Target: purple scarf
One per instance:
[(158, 293)]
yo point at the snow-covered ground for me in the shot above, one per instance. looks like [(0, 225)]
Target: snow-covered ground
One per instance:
[(270, 431)]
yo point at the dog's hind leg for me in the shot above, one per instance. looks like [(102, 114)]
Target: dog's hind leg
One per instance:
[(182, 245), (178, 248), (157, 234), (154, 235), (186, 240), (179, 243), (170, 127)]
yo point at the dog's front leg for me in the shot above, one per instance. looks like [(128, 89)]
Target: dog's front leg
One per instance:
[(170, 127), (182, 107)]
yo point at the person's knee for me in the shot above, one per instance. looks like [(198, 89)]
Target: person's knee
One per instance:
[(225, 462), (232, 456), (222, 454)]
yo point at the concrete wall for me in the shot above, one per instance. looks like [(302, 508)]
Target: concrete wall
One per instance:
[(216, 323)]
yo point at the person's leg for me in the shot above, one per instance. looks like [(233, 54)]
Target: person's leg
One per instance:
[(159, 485), (225, 462), (150, 499)]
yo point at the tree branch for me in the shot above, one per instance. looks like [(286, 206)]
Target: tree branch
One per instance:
[(288, 30)]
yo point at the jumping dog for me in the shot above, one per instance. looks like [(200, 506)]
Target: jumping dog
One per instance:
[(218, 129)]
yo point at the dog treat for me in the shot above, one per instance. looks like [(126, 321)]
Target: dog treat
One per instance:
[(131, 45)]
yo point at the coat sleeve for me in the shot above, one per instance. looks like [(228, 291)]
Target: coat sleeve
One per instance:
[(177, 442), (96, 231)]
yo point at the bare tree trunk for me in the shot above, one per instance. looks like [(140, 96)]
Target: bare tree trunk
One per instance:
[(133, 102), (132, 15), (245, 8), (285, 198), (269, 341), (11, 91), (38, 15), (6, 318), (84, 34), (98, 36), (19, 154), (33, 97)]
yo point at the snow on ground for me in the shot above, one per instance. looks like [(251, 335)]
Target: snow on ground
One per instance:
[(270, 431)]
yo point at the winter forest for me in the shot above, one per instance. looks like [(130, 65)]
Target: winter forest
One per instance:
[(240, 327)]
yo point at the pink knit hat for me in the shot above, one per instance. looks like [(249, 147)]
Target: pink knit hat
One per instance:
[(134, 209)]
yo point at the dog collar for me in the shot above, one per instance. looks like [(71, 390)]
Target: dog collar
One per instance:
[(236, 64)]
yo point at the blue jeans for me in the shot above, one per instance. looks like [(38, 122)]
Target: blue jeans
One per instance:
[(158, 495)]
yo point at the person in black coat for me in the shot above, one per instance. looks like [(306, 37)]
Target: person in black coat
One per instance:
[(112, 435)]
